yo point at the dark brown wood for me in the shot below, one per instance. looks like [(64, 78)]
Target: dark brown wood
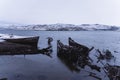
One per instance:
[(81, 48), (32, 41), (75, 56), (7, 48)]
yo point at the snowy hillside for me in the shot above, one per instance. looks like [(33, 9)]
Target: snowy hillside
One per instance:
[(9, 25), (61, 27)]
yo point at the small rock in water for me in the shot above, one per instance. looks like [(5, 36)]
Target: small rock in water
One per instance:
[(115, 51)]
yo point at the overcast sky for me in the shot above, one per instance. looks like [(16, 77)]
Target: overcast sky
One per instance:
[(61, 11)]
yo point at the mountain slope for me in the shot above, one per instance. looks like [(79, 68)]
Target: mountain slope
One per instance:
[(61, 27)]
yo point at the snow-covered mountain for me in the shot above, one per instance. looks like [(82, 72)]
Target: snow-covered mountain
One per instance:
[(9, 25), (61, 27)]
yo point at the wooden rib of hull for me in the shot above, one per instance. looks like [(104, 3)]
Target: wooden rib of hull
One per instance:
[(77, 45), (81, 48)]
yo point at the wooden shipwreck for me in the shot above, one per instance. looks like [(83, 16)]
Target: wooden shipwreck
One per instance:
[(75, 54), (13, 44)]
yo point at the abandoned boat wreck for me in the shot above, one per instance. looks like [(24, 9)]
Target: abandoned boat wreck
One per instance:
[(75, 55), (73, 47), (12, 44), (26, 40), (32, 41)]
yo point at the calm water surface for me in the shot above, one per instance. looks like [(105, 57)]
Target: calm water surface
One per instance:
[(42, 67)]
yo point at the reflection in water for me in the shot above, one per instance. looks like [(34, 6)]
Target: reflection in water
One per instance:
[(12, 48), (70, 65), (47, 51)]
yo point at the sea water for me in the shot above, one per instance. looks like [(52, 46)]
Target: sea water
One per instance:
[(42, 67)]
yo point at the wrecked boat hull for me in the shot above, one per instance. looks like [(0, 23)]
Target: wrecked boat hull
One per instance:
[(32, 41)]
